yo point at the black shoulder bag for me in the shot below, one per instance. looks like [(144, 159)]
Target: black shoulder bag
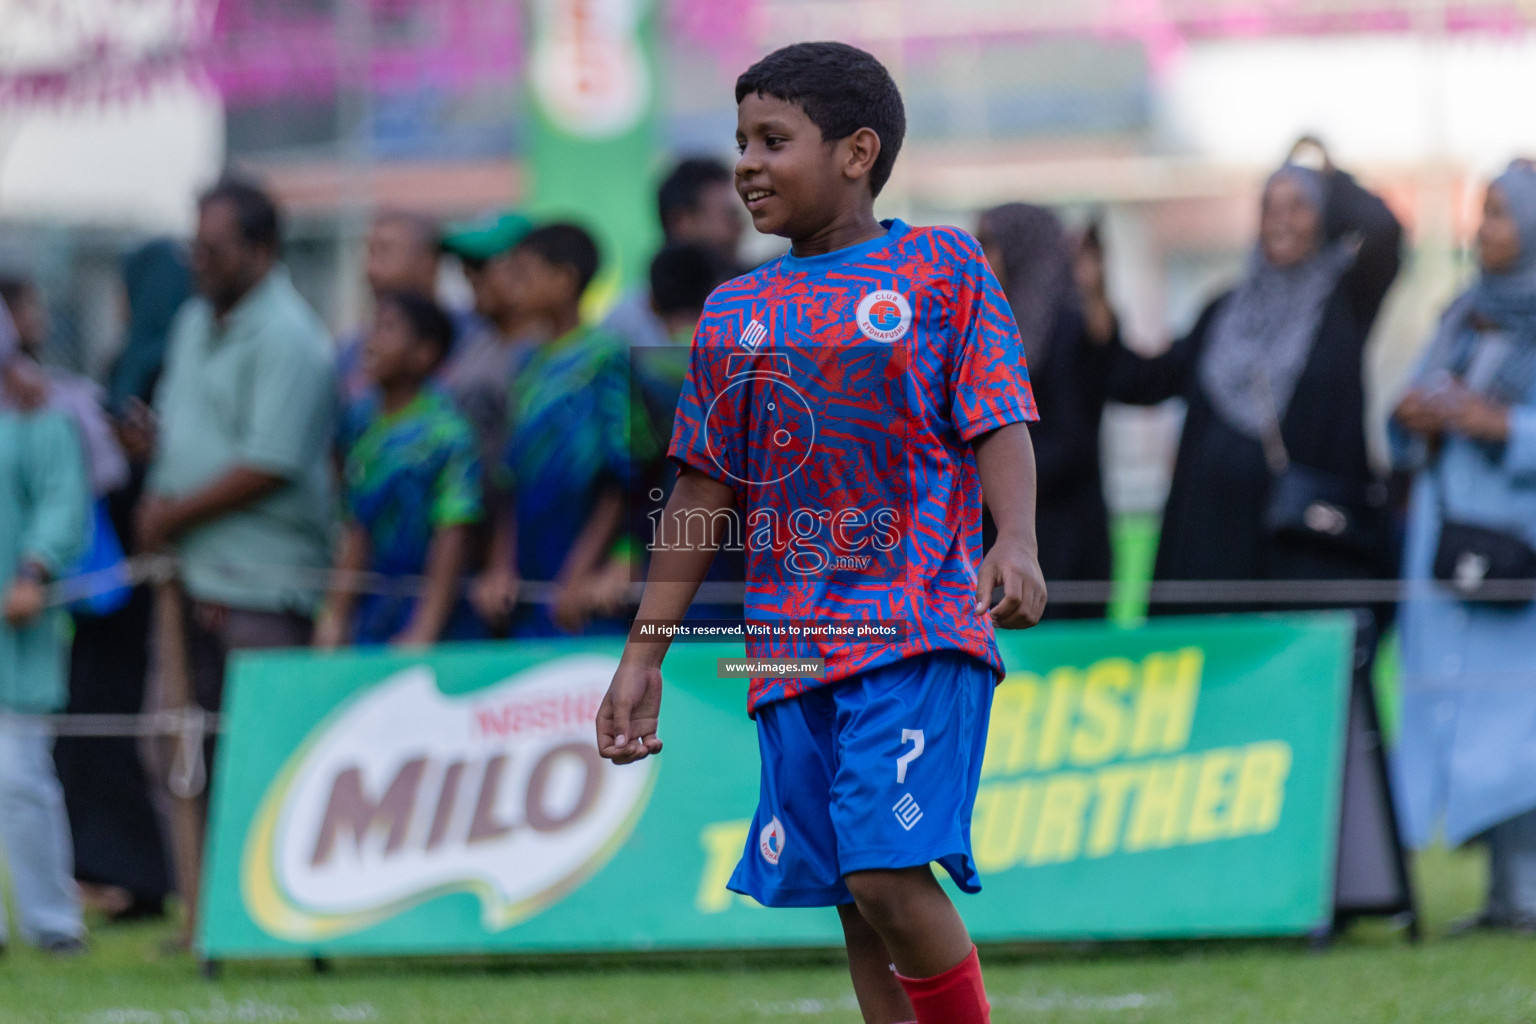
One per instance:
[(1480, 563), (1333, 511)]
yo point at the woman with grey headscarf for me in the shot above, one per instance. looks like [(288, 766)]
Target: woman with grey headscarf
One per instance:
[(1068, 355), (1466, 756), (1273, 480)]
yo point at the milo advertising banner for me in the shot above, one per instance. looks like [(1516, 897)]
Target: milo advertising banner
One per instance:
[(1181, 779)]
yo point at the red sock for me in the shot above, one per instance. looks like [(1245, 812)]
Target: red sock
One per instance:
[(954, 997)]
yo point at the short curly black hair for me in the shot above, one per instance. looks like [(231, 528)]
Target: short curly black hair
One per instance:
[(682, 276), (680, 191), (260, 222), (565, 245), (841, 89), (428, 321)]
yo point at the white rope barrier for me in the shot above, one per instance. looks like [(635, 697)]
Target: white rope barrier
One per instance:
[(190, 726), (1328, 592)]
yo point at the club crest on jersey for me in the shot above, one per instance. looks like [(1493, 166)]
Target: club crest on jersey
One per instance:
[(884, 316), (770, 841), (752, 336)]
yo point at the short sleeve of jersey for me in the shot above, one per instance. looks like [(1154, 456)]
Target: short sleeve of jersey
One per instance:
[(694, 443), (988, 379), (349, 496), (351, 426), (456, 491), (623, 437)]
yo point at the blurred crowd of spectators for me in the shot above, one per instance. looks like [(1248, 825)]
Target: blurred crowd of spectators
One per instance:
[(395, 486), (409, 482)]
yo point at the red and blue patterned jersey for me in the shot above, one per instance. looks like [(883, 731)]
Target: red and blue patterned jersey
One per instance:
[(838, 395)]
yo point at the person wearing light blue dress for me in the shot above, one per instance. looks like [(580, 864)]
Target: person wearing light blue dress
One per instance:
[(44, 502), (1465, 761)]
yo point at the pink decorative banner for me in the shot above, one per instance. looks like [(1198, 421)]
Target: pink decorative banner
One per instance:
[(256, 51), (59, 51), (728, 30), (265, 49)]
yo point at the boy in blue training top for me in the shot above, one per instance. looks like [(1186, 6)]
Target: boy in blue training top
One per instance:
[(413, 489), (849, 403), (571, 436)]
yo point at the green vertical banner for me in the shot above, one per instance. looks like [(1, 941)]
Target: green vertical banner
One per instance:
[(592, 88)]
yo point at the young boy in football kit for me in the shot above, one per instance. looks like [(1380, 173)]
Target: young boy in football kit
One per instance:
[(850, 403)]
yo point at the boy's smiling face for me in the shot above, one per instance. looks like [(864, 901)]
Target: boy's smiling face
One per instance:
[(793, 181)]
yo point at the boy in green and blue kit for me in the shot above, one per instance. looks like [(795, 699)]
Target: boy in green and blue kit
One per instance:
[(412, 489)]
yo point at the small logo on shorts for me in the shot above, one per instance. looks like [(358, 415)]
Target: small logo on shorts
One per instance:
[(883, 316), (770, 841), (908, 813)]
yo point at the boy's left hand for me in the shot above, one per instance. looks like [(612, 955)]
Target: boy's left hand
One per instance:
[(608, 591), (569, 608), (1015, 568)]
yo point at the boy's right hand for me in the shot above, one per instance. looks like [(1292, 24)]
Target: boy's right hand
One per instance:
[(494, 594), (330, 632), (631, 709)]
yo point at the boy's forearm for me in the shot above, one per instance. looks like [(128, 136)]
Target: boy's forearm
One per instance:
[(238, 488), (501, 551), (592, 542), (677, 571), (1005, 460), (350, 560), (445, 565)]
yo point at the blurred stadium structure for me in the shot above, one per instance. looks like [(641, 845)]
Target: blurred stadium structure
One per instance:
[(1160, 116)]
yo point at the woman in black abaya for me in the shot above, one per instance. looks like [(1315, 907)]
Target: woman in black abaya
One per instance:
[(120, 860), (1273, 480)]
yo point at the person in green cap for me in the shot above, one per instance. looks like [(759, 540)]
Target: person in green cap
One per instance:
[(481, 369)]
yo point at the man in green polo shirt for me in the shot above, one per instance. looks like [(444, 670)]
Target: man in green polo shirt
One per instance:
[(240, 484)]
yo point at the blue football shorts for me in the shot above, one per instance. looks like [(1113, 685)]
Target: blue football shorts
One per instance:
[(878, 770)]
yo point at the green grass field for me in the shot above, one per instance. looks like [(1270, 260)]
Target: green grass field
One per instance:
[(1369, 975)]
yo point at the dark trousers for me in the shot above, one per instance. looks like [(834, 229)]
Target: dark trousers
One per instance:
[(116, 834), (215, 631)]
